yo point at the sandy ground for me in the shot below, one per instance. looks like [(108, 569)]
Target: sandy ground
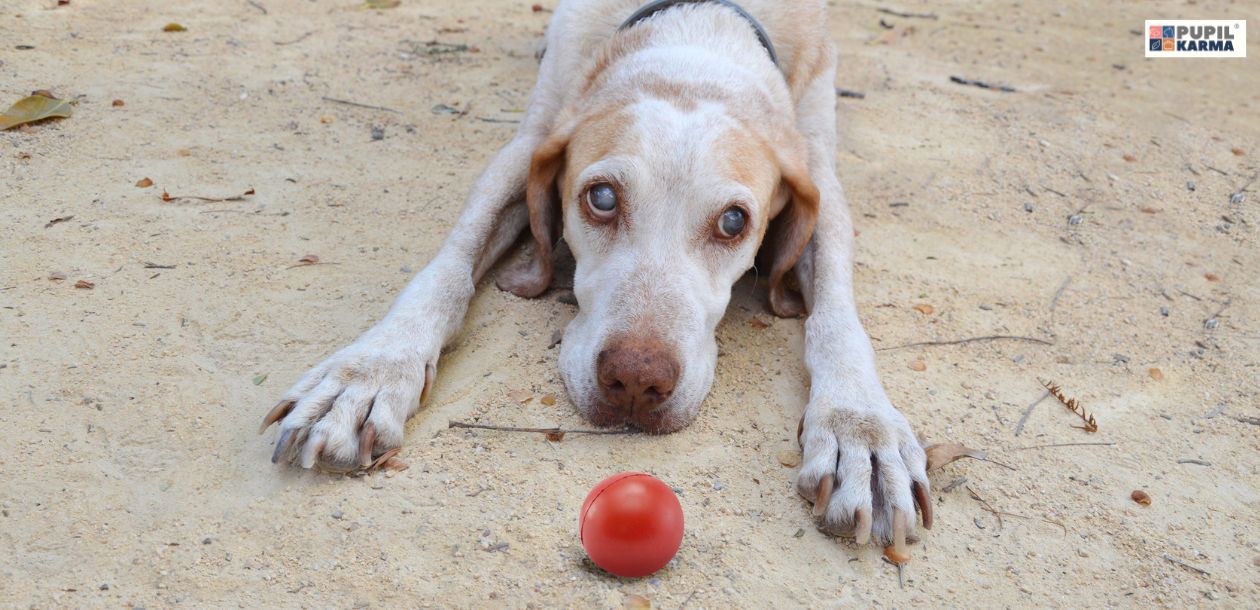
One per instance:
[(131, 473)]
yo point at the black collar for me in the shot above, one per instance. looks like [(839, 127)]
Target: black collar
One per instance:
[(652, 8)]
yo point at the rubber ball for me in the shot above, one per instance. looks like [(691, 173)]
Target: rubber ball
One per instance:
[(631, 524)]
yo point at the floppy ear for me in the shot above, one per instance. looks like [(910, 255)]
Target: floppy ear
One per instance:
[(533, 276), (790, 231)]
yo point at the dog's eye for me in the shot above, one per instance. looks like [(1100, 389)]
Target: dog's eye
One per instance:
[(602, 199), (732, 223)]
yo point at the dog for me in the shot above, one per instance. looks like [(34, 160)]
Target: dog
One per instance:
[(673, 146)]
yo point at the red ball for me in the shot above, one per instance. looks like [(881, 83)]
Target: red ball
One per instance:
[(631, 524)]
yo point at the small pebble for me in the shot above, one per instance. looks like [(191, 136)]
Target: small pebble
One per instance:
[(338, 515), (1163, 311), (378, 133), (1190, 186), (718, 485), (1238, 197), (1075, 219), (1028, 207), (1141, 497), (104, 587)]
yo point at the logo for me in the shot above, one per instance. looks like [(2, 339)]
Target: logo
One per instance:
[(1196, 38)]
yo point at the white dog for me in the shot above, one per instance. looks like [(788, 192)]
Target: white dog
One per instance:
[(669, 145)]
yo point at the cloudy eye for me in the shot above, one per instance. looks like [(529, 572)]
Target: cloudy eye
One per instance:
[(732, 222), (603, 200)]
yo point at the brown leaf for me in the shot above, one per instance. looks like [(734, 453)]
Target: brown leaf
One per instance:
[(1238, 152), (924, 309), (58, 220), (549, 400), (917, 366), (1156, 374), (1211, 277), (84, 284), (555, 437), (537, 8), (56, 276), (145, 183), (117, 103), (941, 454), (34, 108), (184, 152), (1146, 209), (166, 196), (1141, 497), (757, 323), (309, 259), (1130, 158), (634, 601), (789, 458), (174, 27)]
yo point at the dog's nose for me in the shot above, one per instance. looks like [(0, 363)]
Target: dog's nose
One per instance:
[(637, 374)]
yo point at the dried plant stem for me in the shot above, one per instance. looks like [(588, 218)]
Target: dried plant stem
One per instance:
[(1064, 445), (967, 340), (461, 424), (1072, 405)]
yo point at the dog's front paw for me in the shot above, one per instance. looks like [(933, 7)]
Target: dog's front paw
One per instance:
[(864, 469), (352, 406)]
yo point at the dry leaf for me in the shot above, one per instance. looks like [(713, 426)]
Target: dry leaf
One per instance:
[(891, 553), (1141, 497), (555, 437), (184, 152), (520, 396), (941, 454), (145, 183), (394, 464), (1238, 152), (918, 366), (84, 284), (789, 458), (379, 4), (174, 27), (1211, 277), (56, 276), (117, 103), (166, 196), (1130, 158), (549, 400), (309, 259), (924, 309), (35, 107), (1156, 374), (634, 601), (1146, 209), (757, 323)]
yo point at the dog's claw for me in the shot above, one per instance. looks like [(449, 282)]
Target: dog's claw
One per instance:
[(899, 533), (800, 428), (862, 529), (825, 486), (282, 444), (924, 503), (311, 452), (276, 414), (367, 439)]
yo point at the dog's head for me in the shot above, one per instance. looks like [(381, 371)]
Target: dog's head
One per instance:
[(666, 177)]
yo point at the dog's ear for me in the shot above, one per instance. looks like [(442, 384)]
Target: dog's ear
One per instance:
[(533, 276), (790, 231)]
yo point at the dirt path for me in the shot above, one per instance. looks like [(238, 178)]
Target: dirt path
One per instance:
[(131, 473)]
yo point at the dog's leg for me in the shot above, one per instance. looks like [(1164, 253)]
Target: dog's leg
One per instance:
[(352, 406), (853, 440)]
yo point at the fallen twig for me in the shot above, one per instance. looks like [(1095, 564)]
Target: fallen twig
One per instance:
[(984, 504), (157, 266), (295, 40), (967, 340), (857, 95), (897, 13), (486, 119), (359, 105), (461, 424), (981, 84), (1185, 565), (1058, 293), (169, 197), (1064, 445), (1194, 461), (1024, 418), (257, 6)]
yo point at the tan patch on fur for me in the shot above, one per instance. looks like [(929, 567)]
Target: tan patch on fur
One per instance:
[(867, 430)]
